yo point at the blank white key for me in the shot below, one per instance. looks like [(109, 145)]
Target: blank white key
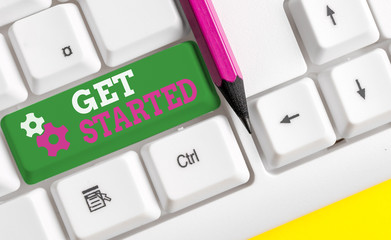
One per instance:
[(107, 199), (261, 54), (54, 48), (30, 216), (9, 181), (358, 93), (195, 164), (11, 10), (12, 89), (126, 29), (332, 28), (381, 10), (291, 123)]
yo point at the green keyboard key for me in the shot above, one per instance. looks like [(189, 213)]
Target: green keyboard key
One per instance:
[(110, 112)]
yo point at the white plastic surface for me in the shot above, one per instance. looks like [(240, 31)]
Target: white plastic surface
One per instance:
[(195, 164), (126, 29), (30, 216), (267, 55), (381, 10), (9, 181), (54, 48), (358, 93), (124, 201), (291, 123), (11, 10), (12, 89), (268, 200), (332, 28)]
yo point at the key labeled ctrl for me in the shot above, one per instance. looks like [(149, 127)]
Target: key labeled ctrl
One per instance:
[(195, 164), (185, 160)]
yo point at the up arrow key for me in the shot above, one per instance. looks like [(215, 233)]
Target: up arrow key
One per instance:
[(330, 13)]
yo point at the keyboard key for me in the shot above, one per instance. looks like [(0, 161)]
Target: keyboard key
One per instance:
[(381, 10), (12, 90), (358, 93), (9, 181), (110, 112), (107, 199), (295, 127), (195, 164), (261, 48), (125, 29), (333, 28), (12, 10), (54, 48), (30, 216)]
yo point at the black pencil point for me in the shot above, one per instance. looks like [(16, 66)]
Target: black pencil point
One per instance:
[(236, 97), (247, 124)]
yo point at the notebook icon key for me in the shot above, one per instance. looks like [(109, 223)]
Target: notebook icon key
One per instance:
[(95, 199)]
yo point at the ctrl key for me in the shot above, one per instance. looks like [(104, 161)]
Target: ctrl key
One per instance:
[(195, 164), (107, 199)]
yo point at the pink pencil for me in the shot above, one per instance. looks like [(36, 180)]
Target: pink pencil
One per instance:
[(213, 43)]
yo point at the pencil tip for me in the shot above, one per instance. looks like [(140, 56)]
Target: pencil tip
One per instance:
[(247, 124), (236, 97)]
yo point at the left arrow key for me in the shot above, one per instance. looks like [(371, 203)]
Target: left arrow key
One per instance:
[(310, 131), (288, 119)]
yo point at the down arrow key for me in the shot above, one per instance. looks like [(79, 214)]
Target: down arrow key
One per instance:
[(360, 91)]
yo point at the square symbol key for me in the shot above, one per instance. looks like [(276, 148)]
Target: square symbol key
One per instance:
[(54, 48)]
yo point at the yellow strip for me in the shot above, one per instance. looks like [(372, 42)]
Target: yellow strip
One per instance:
[(365, 215)]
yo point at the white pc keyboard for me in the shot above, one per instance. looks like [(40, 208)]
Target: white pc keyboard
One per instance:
[(318, 80)]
